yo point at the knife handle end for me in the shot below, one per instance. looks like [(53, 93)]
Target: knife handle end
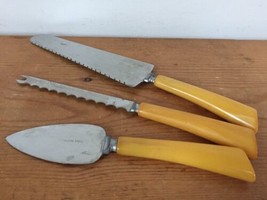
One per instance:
[(220, 132), (224, 160), (224, 107)]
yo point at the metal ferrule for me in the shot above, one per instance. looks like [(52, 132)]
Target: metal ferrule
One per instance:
[(134, 108), (110, 145), (150, 78)]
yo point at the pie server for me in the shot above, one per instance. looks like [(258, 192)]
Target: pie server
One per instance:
[(85, 144)]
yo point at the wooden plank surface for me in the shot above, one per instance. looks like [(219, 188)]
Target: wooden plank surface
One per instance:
[(237, 69)]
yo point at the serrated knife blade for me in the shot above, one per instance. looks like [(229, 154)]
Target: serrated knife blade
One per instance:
[(129, 106), (128, 71)]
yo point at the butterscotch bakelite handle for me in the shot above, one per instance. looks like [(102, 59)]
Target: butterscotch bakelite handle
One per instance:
[(224, 107), (217, 131), (224, 160)]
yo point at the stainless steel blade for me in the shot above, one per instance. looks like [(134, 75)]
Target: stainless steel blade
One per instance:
[(65, 143), (128, 71), (129, 106)]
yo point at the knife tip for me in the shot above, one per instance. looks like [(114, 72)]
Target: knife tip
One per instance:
[(22, 80), (8, 138)]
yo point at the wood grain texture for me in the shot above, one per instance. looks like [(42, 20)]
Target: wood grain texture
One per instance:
[(236, 69)]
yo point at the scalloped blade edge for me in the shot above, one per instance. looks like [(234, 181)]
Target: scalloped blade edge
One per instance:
[(78, 93)]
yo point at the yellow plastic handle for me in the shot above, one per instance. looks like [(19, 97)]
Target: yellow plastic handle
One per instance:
[(224, 160), (224, 107), (214, 130)]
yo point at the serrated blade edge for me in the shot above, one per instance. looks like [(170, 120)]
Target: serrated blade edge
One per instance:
[(129, 106), (125, 70)]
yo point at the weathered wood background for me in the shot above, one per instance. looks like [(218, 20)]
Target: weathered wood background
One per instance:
[(236, 69)]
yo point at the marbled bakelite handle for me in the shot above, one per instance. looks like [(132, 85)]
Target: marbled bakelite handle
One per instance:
[(217, 131), (224, 160), (224, 107)]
